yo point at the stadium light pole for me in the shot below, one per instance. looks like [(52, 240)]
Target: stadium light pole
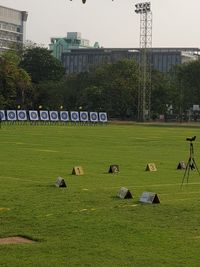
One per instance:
[(144, 88)]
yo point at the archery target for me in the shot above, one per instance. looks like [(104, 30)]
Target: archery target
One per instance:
[(21, 115), (93, 116), (44, 115), (11, 115), (74, 116), (2, 115), (103, 117), (33, 114), (64, 115), (53, 115), (83, 116)]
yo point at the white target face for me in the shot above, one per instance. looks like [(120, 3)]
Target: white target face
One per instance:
[(94, 116), (74, 116), (2, 115), (53, 115), (21, 115), (33, 114), (64, 115), (103, 117), (83, 116), (44, 115), (11, 115)]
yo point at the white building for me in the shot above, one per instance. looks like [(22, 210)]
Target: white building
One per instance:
[(12, 27)]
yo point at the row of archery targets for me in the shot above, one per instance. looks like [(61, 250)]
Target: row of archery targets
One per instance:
[(53, 116)]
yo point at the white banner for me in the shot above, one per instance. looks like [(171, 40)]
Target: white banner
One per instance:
[(94, 116), (74, 116), (21, 115), (103, 117), (84, 116), (11, 115), (64, 115), (195, 108), (53, 115), (33, 115), (2, 115)]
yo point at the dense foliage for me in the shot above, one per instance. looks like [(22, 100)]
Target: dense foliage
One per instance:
[(185, 86), (14, 81), (35, 78), (41, 65), (110, 87)]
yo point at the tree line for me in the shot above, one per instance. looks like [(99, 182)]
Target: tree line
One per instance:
[(33, 78)]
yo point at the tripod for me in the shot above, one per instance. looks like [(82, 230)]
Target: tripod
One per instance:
[(191, 164)]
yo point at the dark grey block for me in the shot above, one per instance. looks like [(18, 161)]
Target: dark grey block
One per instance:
[(149, 197), (113, 169), (60, 182), (181, 165), (124, 193)]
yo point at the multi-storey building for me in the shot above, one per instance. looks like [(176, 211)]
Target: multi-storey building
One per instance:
[(12, 27), (162, 59), (73, 40)]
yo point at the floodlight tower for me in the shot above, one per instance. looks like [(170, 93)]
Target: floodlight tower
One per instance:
[(144, 88)]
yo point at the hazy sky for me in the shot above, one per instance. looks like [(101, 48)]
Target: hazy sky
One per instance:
[(176, 23)]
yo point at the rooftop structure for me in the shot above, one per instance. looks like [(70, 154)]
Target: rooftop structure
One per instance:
[(73, 40)]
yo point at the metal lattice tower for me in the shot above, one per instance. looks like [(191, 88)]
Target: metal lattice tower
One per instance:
[(144, 88)]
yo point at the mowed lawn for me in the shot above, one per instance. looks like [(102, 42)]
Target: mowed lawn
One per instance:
[(85, 224)]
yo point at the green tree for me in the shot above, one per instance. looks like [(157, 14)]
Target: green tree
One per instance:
[(14, 81), (184, 86), (160, 96), (48, 94), (41, 65), (189, 76), (46, 73), (112, 87)]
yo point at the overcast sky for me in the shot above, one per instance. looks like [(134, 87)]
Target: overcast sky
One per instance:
[(176, 23)]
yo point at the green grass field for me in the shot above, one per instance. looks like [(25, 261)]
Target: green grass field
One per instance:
[(85, 224)]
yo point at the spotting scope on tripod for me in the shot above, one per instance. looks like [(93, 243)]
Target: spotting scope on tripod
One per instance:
[(191, 164)]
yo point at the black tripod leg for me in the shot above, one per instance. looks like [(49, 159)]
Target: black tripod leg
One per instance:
[(187, 169), (196, 165), (189, 166)]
